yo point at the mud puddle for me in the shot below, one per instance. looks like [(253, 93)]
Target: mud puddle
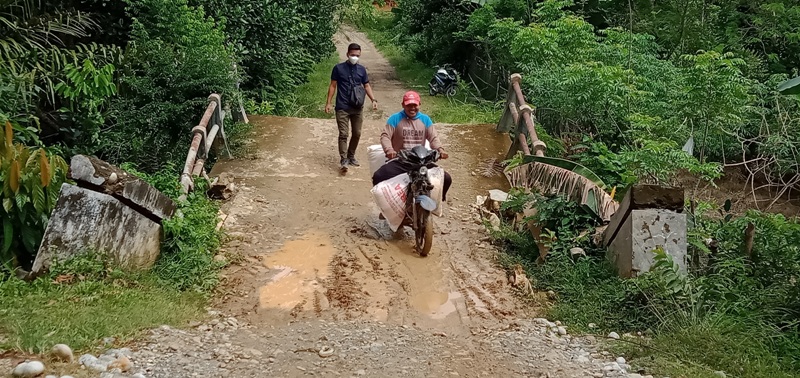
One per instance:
[(302, 265)]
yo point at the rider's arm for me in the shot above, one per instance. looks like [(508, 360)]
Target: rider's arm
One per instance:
[(431, 134), (386, 139), (388, 133)]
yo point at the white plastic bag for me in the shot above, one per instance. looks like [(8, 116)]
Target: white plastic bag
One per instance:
[(390, 195), (436, 175), (376, 158)]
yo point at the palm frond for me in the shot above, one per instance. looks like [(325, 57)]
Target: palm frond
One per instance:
[(550, 179)]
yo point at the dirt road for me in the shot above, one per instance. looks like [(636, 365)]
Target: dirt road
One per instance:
[(323, 289)]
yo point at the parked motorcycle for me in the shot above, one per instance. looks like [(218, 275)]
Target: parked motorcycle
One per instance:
[(444, 81)]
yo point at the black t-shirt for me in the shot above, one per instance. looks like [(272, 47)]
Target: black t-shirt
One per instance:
[(342, 73)]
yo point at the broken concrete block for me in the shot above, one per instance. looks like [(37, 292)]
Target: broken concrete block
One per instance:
[(222, 187), (632, 249), (90, 172), (644, 196), (85, 221)]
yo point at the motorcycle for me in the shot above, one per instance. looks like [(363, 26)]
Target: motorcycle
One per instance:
[(444, 81), (419, 203)]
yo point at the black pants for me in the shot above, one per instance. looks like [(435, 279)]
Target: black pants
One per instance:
[(395, 167)]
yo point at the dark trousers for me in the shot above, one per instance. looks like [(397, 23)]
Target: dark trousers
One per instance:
[(349, 120), (395, 167)]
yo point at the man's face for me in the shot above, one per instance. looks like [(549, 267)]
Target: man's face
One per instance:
[(411, 110), (353, 54)]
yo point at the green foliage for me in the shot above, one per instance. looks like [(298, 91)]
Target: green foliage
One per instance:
[(645, 90), (88, 91), (175, 59), (191, 237), (608, 165), (462, 109), (190, 242), (31, 179), (277, 42), (732, 311)]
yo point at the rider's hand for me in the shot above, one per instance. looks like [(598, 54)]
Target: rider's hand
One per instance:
[(327, 108), (444, 155), (391, 155), (374, 105)]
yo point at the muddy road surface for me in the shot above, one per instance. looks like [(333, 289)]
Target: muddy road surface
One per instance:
[(319, 287)]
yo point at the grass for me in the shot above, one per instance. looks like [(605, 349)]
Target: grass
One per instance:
[(35, 316), (310, 97), (464, 108)]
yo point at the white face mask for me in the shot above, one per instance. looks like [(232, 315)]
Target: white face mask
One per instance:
[(353, 59)]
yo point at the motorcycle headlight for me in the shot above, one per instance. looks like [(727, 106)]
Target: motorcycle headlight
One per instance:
[(423, 171)]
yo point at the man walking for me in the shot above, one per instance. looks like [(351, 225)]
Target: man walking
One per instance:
[(350, 82)]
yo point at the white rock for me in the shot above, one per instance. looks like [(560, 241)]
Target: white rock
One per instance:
[(494, 220), (592, 325), (62, 352), (28, 369), (720, 374), (138, 375), (621, 360), (562, 331), (577, 251), (613, 335), (498, 195), (583, 360)]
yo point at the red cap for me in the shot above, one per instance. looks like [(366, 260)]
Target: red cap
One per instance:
[(411, 97)]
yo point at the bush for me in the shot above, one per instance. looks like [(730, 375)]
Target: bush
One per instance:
[(191, 238), (277, 42), (31, 180), (175, 59), (734, 311)]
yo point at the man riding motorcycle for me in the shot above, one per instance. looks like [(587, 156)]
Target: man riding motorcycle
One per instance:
[(405, 130)]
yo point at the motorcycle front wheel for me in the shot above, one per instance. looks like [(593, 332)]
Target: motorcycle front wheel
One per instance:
[(424, 234), (451, 91)]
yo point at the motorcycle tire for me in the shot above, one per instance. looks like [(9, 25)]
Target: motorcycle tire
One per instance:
[(451, 91), (424, 235), (431, 91)]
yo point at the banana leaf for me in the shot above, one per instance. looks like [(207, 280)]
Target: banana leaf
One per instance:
[(790, 87), (559, 176)]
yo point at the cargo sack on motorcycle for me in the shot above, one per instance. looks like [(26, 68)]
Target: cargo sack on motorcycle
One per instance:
[(390, 196), (377, 158)]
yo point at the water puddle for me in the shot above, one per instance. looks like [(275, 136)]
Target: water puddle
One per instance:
[(434, 304), (302, 266), (427, 287)]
